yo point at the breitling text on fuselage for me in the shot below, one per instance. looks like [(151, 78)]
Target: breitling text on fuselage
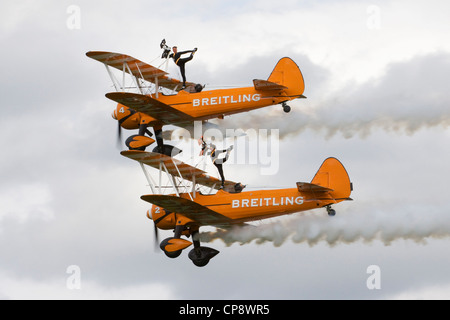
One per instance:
[(241, 98)]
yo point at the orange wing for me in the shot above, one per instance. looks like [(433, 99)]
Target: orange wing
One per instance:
[(186, 171), (152, 107), (190, 209), (137, 68)]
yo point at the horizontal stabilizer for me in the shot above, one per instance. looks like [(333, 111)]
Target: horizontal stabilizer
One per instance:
[(265, 85), (188, 208), (309, 187)]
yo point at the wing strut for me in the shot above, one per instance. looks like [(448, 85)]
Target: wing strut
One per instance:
[(149, 178), (171, 176)]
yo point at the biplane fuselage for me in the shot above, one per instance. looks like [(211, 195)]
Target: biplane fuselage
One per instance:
[(211, 104), (245, 206)]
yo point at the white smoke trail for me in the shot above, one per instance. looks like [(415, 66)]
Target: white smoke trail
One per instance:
[(345, 228), (411, 96), (349, 121), (392, 104)]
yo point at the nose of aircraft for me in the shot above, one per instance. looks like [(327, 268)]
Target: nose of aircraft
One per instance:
[(149, 215)]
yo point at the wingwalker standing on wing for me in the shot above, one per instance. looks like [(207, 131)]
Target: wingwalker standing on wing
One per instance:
[(182, 61), (210, 149), (176, 56)]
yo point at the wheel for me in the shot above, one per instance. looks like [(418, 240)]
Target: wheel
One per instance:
[(331, 212), (170, 254), (174, 254), (200, 256), (201, 262), (169, 150), (286, 108)]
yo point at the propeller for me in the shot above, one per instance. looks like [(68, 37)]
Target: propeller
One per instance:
[(119, 135), (156, 233)]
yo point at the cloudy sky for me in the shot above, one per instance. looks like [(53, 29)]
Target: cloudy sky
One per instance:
[(376, 75)]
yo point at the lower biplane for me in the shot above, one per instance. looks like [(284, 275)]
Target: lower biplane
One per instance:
[(160, 100), (188, 208)]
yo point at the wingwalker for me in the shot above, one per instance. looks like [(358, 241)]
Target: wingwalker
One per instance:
[(198, 199)]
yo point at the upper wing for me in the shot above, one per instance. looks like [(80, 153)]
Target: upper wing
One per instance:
[(176, 168), (137, 68), (188, 208), (152, 107)]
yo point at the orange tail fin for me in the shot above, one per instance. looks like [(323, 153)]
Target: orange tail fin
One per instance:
[(287, 73), (333, 175)]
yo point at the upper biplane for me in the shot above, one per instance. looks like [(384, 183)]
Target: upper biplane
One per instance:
[(161, 101), (188, 207)]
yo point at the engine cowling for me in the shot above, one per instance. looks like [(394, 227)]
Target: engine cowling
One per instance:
[(163, 219)]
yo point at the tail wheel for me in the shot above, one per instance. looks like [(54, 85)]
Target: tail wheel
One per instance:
[(286, 108), (331, 212)]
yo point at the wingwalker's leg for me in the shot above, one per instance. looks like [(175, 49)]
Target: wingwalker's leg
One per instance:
[(200, 256)]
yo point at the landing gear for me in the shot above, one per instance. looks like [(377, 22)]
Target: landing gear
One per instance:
[(166, 246), (162, 148), (286, 108), (168, 150), (173, 247), (137, 142), (200, 256), (331, 212)]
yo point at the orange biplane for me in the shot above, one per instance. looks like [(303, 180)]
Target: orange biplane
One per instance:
[(188, 208), (153, 107)]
